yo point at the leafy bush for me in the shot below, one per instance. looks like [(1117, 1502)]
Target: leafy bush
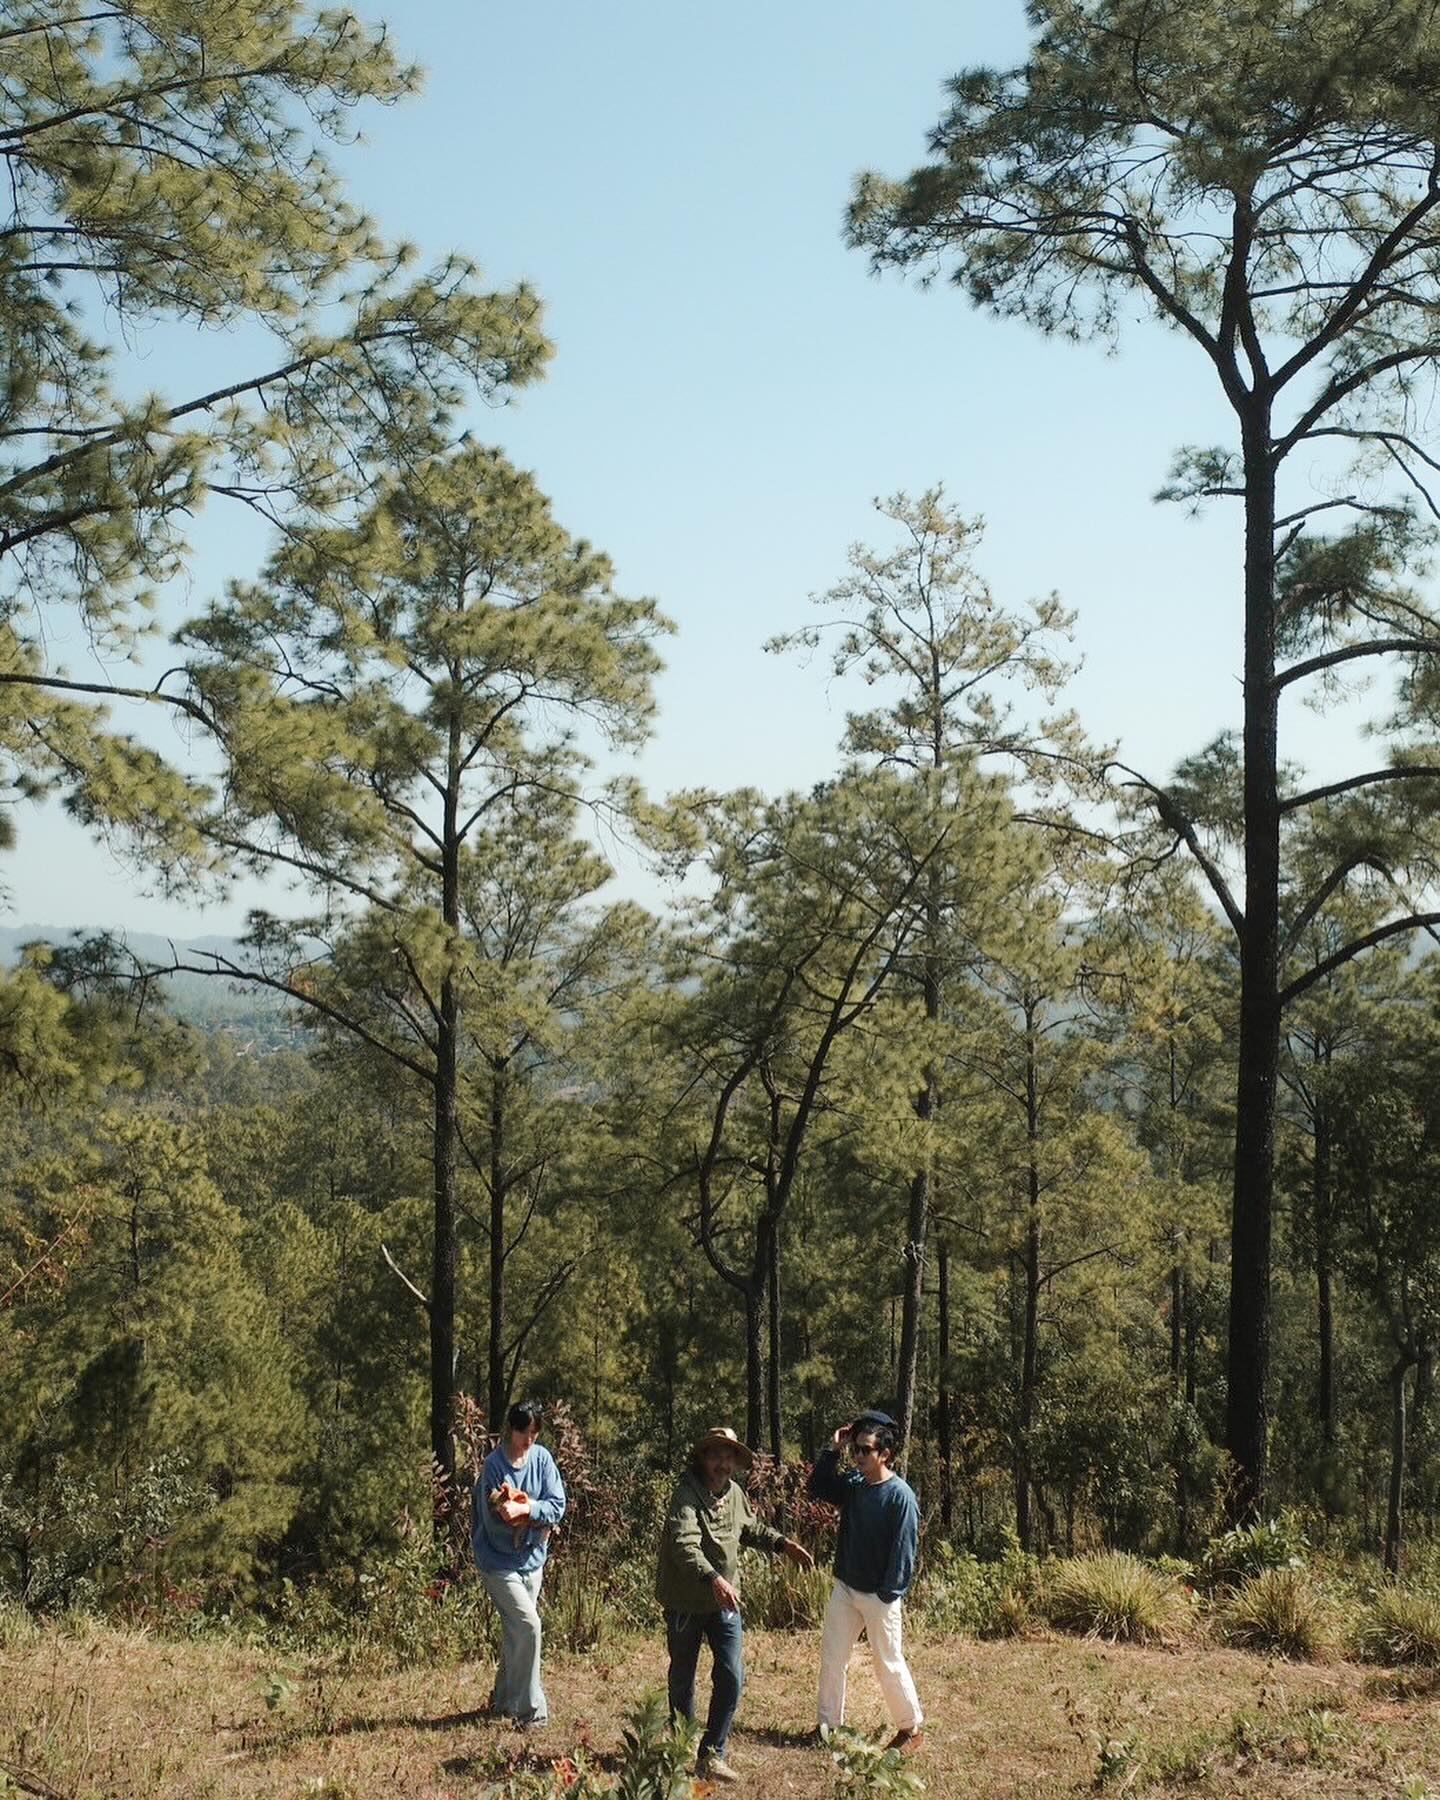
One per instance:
[(1401, 1625), (581, 1606), (1248, 1550), (654, 1764), (959, 1592), (655, 1756), (867, 1767), (1113, 1596), (780, 1597), (396, 1612), (1281, 1611), (90, 1544)]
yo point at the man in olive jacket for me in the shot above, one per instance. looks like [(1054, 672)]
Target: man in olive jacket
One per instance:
[(708, 1521)]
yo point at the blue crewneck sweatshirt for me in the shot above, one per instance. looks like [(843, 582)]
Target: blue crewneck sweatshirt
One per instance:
[(879, 1527), (494, 1542)]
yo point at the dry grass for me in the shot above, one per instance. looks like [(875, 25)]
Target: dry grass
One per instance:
[(1116, 1597), (1401, 1625), (126, 1717), (1283, 1612)]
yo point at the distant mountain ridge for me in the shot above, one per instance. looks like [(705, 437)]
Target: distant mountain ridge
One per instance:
[(200, 999)]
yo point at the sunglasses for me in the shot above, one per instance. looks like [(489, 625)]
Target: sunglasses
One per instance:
[(863, 1449)]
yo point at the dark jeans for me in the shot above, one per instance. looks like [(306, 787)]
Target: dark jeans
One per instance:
[(684, 1634)]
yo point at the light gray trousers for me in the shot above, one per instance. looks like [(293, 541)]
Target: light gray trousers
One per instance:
[(517, 1691)]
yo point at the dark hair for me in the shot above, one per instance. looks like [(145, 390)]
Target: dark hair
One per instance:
[(886, 1437), (525, 1415)]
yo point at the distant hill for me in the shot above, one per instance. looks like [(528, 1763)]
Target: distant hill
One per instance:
[(207, 1000)]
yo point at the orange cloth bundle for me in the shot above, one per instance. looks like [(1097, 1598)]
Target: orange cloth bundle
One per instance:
[(506, 1492)]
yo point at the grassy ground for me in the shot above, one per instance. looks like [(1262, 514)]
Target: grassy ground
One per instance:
[(102, 1713)]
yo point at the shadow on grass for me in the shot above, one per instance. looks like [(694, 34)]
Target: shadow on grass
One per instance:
[(803, 1739), (496, 1761), (1406, 1683), (415, 1722), (289, 1736)]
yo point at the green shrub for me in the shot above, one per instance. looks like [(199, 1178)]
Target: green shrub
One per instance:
[(1248, 1550), (16, 1625), (780, 1597), (396, 1612), (1113, 1596), (959, 1592), (655, 1756), (867, 1767), (1281, 1611), (1400, 1626), (582, 1606)]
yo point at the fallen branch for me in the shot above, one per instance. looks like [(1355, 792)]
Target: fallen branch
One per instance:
[(30, 1783)]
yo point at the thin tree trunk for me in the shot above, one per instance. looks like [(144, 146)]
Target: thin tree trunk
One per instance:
[(1029, 1357), (1420, 1414), (443, 1268), (911, 1294), (773, 1373), (1179, 1307), (1177, 1321), (927, 1103), (498, 1400), (1394, 1509), (447, 1130), (1324, 1283), (942, 1398), (754, 1295), (1248, 1356)]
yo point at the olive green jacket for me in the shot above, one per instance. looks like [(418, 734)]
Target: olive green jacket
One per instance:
[(702, 1538)]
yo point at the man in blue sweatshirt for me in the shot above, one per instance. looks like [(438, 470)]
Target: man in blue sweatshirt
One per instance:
[(511, 1541), (874, 1566)]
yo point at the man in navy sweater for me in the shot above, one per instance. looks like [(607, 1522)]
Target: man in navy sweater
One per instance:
[(874, 1566)]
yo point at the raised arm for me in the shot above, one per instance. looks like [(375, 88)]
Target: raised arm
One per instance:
[(828, 1481)]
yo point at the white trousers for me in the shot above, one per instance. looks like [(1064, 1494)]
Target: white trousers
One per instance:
[(847, 1614)]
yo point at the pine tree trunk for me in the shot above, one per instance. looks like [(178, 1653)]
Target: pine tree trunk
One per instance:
[(922, 1200), (1029, 1353), (444, 1255), (1248, 1357), (1420, 1406), (1394, 1509), (443, 1264), (773, 1372), (943, 1400), (1324, 1291), (1179, 1298), (498, 1399), (754, 1365)]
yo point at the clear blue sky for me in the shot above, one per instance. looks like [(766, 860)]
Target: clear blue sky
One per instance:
[(732, 386)]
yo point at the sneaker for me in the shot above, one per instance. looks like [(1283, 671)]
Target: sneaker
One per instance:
[(715, 1768), (907, 1741)]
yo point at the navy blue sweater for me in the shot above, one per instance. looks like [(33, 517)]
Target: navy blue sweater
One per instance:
[(879, 1527)]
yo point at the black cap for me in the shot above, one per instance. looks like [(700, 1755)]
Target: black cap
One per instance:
[(872, 1417)]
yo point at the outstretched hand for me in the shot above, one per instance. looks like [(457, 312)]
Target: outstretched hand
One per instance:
[(798, 1554)]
